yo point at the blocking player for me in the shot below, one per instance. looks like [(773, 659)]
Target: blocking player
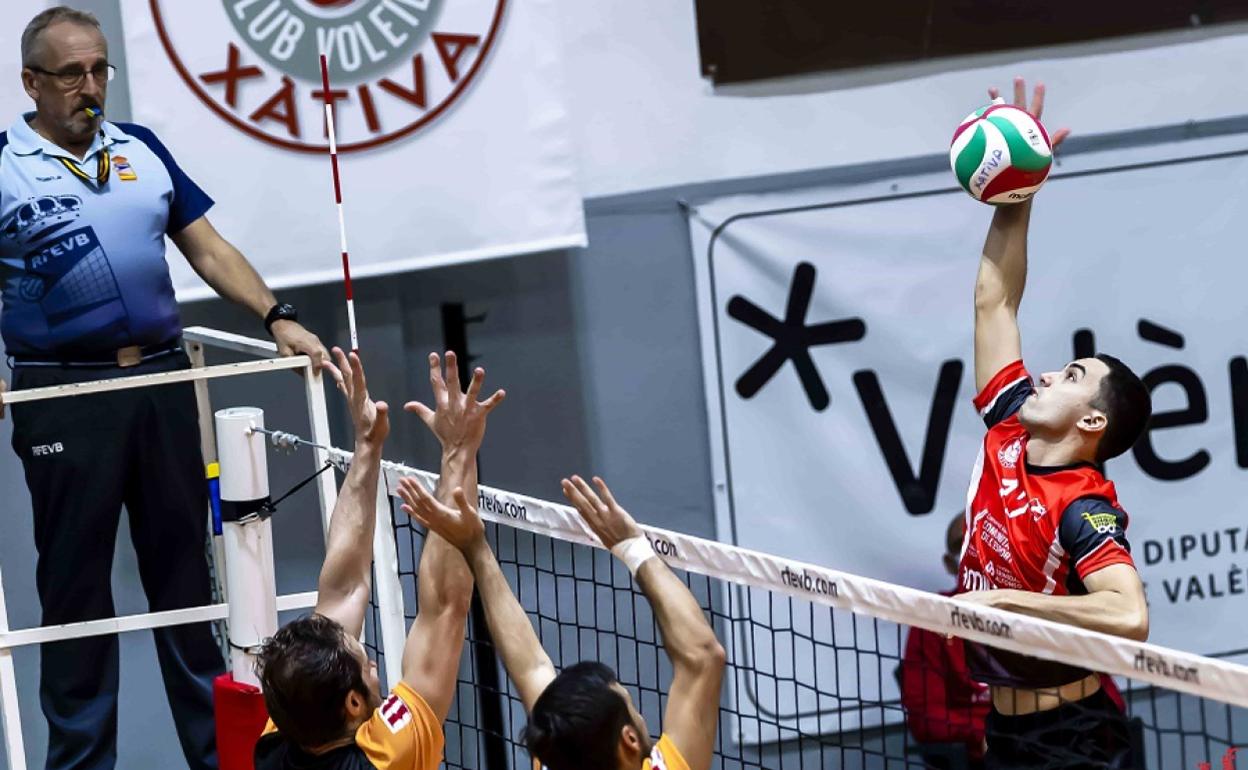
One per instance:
[(582, 717), (322, 692)]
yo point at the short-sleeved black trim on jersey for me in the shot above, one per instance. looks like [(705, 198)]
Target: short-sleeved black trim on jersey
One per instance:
[(1089, 526), (1008, 402)]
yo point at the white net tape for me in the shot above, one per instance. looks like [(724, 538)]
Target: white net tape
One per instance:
[(1167, 668)]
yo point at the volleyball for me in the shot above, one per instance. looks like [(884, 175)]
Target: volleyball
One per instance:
[(1000, 154)]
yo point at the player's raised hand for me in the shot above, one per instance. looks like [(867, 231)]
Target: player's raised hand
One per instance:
[(460, 526), (371, 419), (608, 520), (1036, 107), (457, 418)]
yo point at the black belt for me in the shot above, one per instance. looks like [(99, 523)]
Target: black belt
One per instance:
[(123, 358)]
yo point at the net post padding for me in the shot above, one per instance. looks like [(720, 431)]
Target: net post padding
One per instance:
[(1167, 668), (241, 717)]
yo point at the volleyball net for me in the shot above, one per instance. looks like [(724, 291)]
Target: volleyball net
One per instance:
[(825, 669)]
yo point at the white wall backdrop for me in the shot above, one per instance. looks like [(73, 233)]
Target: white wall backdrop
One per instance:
[(645, 118), (13, 100)]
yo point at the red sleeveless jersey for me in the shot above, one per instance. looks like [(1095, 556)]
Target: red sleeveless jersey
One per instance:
[(1030, 528)]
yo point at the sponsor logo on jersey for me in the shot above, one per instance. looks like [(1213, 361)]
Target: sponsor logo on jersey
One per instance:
[(1103, 523), (973, 580), (992, 535), (395, 713), (657, 762), (1008, 455)]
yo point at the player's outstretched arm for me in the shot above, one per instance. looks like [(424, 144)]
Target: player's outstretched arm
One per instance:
[(527, 663), (345, 582), (1003, 268), (1114, 604), (444, 582), (698, 659)]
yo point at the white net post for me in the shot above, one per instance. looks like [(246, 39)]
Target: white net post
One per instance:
[(248, 537), (392, 625), (208, 446), (318, 418)]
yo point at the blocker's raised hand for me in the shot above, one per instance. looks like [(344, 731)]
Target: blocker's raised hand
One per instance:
[(460, 526), (457, 418), (371, 419), (608, 520)]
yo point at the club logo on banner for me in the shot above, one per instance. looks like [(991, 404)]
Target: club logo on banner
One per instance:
[(394, 65), (441, 100)]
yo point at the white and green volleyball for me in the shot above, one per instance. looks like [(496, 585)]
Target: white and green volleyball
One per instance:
[(1000, 154)]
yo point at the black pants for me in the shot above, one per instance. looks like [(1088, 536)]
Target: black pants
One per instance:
[(85, 457), (1086, 734)]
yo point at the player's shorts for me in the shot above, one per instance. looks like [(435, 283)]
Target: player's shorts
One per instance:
[(1082, 735)]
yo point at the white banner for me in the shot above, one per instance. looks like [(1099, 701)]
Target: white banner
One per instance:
[(836, 335), (453, 131), (13, 99)]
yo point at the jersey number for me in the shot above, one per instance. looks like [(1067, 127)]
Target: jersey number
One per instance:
[(1008, 487)]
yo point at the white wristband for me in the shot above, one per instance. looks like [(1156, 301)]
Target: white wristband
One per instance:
[(634, 552)]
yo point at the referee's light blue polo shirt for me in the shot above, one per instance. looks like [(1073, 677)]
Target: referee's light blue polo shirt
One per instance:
[(82, 264)]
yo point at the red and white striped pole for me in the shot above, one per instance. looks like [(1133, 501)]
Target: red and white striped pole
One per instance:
[(342, 222)]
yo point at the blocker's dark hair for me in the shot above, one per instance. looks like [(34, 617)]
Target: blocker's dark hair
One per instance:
[(576, 721), (307, 670), (1125, 400)]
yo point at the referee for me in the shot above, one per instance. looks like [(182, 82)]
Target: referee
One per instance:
[(85, 206)]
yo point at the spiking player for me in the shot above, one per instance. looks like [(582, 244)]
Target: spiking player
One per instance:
[(1045, 533)]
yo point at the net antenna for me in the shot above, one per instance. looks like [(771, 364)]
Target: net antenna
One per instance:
[(342, 221)]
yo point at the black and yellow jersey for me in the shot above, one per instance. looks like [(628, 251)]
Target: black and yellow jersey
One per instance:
[(402, 734)]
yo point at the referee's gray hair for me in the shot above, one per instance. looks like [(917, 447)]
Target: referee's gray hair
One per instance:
[(30, 37)]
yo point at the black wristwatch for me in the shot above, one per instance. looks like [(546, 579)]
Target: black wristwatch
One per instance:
[(279, 312)]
